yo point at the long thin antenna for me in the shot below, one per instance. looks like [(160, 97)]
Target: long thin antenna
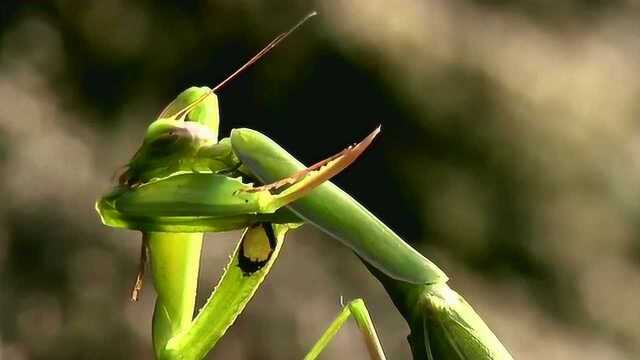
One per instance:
[(255, 58), (265, 50)]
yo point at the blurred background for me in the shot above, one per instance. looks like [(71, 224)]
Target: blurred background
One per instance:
[(510, 156)]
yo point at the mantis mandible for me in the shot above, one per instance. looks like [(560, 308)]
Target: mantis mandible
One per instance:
[(183, 181)]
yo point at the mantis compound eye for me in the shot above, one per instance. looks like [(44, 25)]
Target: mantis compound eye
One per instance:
[(166, 140)]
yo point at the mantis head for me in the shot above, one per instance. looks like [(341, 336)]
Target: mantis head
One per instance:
[(195, 105), (187, 124)]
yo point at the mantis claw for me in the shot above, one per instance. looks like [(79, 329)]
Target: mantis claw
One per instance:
[(300, 183)]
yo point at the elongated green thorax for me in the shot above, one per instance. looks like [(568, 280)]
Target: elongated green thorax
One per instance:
[(337, 213)]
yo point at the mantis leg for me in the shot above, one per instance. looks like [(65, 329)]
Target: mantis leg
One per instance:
[(358, 310), (175, 262), (251, 261)]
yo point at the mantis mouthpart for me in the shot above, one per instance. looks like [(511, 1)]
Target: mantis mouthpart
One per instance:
[(184, 181)]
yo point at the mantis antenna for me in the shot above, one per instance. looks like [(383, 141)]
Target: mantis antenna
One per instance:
[(251, 61), (265, 50)]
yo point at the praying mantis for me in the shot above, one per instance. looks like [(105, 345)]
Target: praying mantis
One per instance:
[(183, 181)]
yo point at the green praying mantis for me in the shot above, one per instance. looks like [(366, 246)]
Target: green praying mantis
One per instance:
[(183, 181)]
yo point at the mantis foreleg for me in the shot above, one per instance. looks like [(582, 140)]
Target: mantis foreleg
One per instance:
[(260, 249), (175, 262)]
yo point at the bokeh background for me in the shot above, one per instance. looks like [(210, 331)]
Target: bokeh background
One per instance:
[(510, 155)]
